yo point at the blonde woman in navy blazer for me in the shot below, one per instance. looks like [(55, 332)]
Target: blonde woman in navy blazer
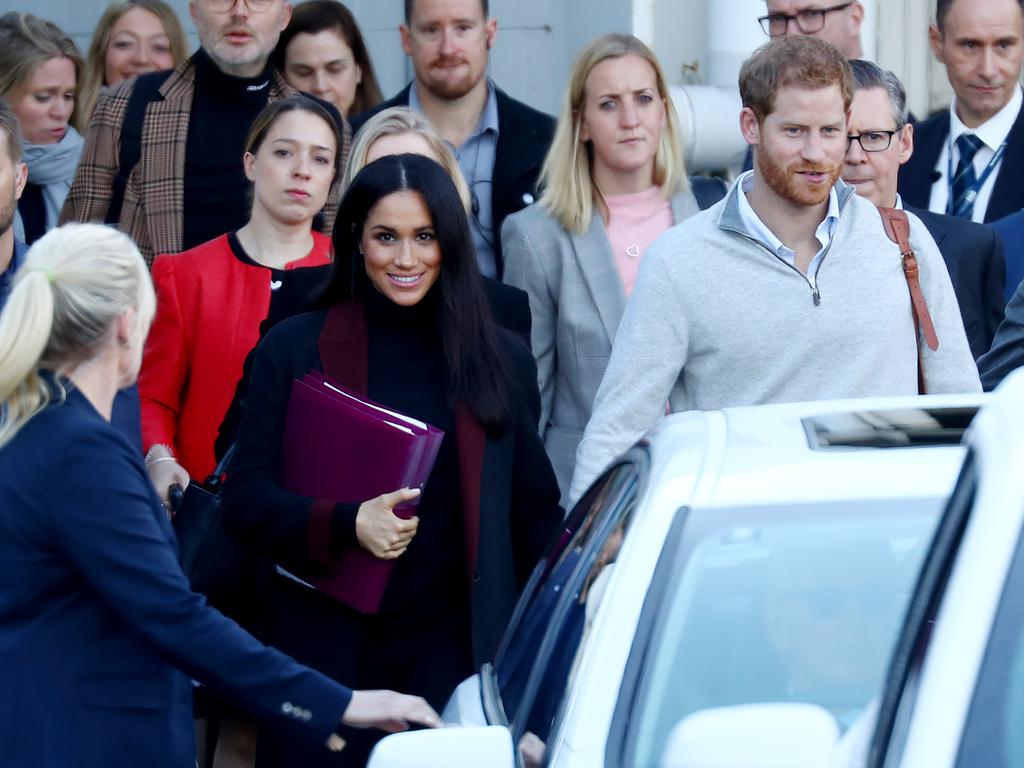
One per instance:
[(559, 250), (99, 631)]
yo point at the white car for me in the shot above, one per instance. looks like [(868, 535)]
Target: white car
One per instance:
[(956, 690), (732, 557)]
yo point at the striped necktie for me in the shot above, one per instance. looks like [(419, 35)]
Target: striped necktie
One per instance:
[(964, 193)]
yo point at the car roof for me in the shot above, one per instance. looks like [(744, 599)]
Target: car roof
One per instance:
[(764, 454)]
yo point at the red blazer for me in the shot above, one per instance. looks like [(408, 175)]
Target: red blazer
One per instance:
[(209, 309)]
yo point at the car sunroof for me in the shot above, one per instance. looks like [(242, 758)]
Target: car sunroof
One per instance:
[(891, 428)]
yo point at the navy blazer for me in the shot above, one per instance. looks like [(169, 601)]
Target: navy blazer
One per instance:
[(918, 174), (524, 137), (97, 618), (1007, 353), (1011, 233), (974, 259)]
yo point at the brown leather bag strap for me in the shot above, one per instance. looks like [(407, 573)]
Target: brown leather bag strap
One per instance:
[(897, 227)]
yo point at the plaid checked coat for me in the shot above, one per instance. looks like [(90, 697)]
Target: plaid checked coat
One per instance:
[(153, 209)]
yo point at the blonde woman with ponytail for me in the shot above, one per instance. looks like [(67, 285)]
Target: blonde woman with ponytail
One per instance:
[(96, 617)]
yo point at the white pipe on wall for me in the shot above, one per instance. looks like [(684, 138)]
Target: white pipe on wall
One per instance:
[(710, 118)]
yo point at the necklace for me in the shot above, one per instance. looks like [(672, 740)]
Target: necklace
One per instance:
[(633, 251)]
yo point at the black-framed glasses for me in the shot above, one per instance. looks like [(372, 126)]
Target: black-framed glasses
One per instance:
[(873, 141), (809, 21), (256, 6)]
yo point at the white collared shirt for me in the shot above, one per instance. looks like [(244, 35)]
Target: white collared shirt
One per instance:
[(993, 133), (826, 229)]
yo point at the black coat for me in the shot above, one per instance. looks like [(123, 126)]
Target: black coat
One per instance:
[(977, 269), (516, 515), (918, 174), (524, 137)]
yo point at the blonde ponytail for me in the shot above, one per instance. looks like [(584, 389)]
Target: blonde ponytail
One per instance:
[(76, 281)]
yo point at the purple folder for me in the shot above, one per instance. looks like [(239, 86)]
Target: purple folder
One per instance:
[(342, 446)]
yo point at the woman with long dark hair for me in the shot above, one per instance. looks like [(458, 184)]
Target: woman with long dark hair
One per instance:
[(406, 300)]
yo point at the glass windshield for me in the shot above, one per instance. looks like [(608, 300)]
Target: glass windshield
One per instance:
[(994, 735), (794, 604)]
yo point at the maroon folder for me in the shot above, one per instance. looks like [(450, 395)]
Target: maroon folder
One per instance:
[(341, 446)]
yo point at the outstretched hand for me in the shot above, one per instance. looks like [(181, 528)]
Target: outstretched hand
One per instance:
[(388, 710)]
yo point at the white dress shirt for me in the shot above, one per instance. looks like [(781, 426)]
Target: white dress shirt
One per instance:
[(993, 133)]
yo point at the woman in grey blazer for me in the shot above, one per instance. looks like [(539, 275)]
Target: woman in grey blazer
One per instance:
[(613, 180)]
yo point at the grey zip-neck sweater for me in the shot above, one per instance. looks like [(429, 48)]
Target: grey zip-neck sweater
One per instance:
[(717, 320)]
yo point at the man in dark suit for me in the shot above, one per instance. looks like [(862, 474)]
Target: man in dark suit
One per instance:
[(968, 160), (1007, 353), (880, 140), (500, 142)]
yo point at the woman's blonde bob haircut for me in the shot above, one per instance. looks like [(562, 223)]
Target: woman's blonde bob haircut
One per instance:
[(93, 79), (569, 192), (77, 280), (397, 121)]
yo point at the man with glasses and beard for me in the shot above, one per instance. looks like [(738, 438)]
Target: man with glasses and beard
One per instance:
[(500, 143), (788, 289), (188, 185), (13, 175)]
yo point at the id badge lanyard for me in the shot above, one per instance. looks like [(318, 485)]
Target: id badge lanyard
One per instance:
[(972, 193)]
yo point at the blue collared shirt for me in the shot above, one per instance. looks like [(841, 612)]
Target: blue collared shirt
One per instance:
[(7, 276), (826, 229), (476, 159)]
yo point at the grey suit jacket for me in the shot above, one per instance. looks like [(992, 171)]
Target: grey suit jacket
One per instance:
[(577, 301)]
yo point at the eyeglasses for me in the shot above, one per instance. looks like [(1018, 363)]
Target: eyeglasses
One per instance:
[(873, 141), (256, 6), (810, 21)]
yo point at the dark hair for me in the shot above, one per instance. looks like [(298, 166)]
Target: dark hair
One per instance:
[(316, 16), (269, 114), (484, 4), (942, 9), (867, 76), (794, 60), (477, 371), (11, 130)]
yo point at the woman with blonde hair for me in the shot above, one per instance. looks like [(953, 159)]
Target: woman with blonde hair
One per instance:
[(612, 182), (100, 632), (132, 37), (40, 69)]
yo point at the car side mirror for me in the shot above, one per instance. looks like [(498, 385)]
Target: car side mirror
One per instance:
[(781, 735), (454, 747)]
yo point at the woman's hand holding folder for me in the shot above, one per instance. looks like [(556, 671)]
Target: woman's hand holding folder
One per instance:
[(380, 531)]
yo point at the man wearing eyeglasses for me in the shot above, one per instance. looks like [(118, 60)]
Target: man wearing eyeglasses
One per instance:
[(500, 142), (187, 184), (880, 141), (836, 23)]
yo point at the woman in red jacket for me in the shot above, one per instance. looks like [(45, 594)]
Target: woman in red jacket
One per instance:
[(211, 299)]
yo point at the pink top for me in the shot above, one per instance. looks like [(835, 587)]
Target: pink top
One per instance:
[(634, 221)]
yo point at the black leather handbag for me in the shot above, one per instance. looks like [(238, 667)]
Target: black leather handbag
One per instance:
[(215, 564)]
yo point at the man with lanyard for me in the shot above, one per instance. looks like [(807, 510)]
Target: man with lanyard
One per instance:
[(968, 161), (787, 290), (500, 143), (13, 175)]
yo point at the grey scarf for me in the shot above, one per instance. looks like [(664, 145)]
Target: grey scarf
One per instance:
[(52, 167)]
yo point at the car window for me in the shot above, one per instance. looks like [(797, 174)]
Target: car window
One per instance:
[(777, 604), (994, 735), (539, 652)]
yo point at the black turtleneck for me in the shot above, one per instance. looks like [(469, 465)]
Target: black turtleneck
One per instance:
[(407, 372), (216, 190)]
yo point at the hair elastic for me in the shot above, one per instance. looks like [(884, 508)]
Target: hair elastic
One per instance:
[(46, 271)]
